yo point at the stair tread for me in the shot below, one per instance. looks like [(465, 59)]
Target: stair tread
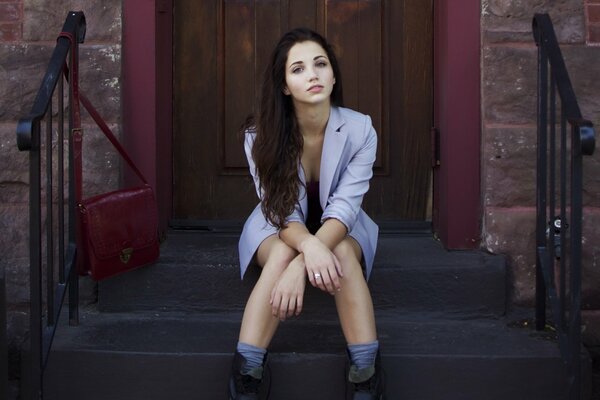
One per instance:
[(416, 335), (393, 251), (411, 273)]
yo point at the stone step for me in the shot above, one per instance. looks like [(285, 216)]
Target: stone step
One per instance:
[(187, 356), (200, 272)]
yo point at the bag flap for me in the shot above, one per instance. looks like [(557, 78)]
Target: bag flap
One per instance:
[(123, 219)]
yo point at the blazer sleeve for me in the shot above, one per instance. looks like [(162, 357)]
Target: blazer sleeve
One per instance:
[(345, 201), (250, 136)]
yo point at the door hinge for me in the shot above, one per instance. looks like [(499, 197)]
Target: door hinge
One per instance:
[(435, 147), (161, 6)]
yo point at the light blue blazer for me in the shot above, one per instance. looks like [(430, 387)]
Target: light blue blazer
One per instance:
[(349, 151)]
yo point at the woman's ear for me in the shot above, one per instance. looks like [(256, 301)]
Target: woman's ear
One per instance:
[(286, 91)]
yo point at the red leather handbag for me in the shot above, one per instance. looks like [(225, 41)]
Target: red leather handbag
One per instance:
[(119, 229), (119, 232), (116, 231)]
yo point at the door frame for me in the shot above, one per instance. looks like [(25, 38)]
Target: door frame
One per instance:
[(147, 90)]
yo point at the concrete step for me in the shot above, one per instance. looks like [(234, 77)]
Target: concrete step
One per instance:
[(187, 356), (199, 272)]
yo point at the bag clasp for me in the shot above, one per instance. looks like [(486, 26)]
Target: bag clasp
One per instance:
[(125, 255)]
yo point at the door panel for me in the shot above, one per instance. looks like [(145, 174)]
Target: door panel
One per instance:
[(221, 47)]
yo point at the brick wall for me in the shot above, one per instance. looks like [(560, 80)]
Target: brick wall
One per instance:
[(11, 20), (28, 30), (509, 133), (592, 12)]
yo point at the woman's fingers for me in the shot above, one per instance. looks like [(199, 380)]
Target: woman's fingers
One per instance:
[(299, 304), (329, 285), (325, 274), (278, 303), (316, 279), (283, 306), (338, 266), (335, 280), (319, 282), (312, 279), (327, 281), (291, 308), (275, 303)]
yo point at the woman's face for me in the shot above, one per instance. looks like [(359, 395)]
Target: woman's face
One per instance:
[(308, 74)]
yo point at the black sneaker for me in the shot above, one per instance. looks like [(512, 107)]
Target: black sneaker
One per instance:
[(253, 385), (367, 383)]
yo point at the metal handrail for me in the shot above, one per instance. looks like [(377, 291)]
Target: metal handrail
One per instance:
[(559, 199), (3, 338), (57, 260)]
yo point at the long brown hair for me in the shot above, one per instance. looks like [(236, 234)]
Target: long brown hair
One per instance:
[(278, 146)]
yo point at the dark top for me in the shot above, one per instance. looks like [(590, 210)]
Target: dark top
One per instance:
[(313, 220)]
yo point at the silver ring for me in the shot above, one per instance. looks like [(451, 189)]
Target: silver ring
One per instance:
[(317, 275)]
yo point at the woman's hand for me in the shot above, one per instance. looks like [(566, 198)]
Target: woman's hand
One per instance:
[(322, 266), (288, 293)]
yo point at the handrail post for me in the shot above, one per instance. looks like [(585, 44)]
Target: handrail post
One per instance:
[(581, 132), (3, 338), (542, 107), (73, 216), (35, 260)]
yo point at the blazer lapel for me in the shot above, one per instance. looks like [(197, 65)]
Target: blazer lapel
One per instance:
[(333, 146)]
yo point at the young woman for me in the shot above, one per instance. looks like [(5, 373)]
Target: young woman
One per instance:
[(311, 161)]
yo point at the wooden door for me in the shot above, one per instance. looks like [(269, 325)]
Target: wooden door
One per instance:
[(220, 48)]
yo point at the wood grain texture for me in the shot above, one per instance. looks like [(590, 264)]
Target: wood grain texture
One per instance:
[(221, 49)]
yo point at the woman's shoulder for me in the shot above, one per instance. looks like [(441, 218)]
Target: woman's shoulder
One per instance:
[(352, 116), (356, 123)]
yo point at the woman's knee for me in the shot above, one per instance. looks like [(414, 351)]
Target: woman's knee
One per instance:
[(348, 252), (278, 255)]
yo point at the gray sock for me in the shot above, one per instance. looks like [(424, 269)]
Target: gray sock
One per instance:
[(363, 355), (254, 356)]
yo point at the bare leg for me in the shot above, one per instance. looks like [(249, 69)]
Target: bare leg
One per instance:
[(353, 301), (259, 324)]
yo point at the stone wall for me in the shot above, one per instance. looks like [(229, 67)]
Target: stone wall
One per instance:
[(509, 132), (28, 31), (592, 12)]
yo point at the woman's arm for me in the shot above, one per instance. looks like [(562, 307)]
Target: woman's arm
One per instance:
[(346, 198), (331, 233), (315, 257), (317, 251)]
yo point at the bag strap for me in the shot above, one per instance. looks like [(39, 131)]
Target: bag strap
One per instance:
[(75, 121), (78, 96), (110, 135), (77, 138)]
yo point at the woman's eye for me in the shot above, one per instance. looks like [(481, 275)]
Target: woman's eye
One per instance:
[(321, 64), (297, 70)]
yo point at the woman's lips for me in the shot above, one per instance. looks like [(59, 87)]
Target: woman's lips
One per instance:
[(315, 89)]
